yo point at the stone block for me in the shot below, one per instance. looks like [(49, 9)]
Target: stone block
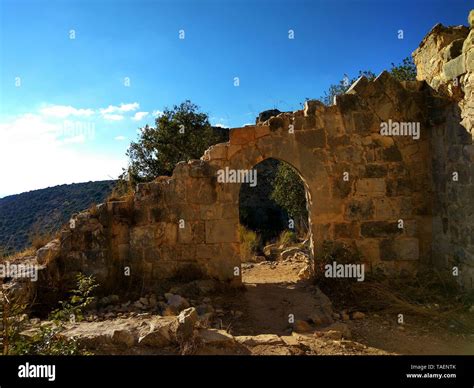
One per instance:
[(371, 187), (400, 249), (315, 138), (240, 136), (379, 229), (455, 67), (222, 231)]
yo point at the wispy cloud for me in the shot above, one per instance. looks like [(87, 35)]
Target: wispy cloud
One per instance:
[(157, 113), (63, 111), (120, 108), (119, 138), (113, 117), (139, 116)]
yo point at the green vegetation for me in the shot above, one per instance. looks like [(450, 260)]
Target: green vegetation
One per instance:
[(81, 298), (32, 218), (180, 134), (286, 238), (249, 243), (289, 193), (18, 339)]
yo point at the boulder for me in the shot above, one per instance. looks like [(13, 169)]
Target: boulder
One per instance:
[(176, 301), (186, 321), (159, 332), (301, 326), (215, 337), (262, 339), (265, 115)]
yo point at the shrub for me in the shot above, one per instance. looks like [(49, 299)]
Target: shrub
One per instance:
[(80, 300), (249, 243), (286, 238)]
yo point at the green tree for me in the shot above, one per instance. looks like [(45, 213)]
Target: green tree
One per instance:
[(405, 71), (289, 193), (180, 134)]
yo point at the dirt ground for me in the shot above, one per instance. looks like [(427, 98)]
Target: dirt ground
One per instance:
[(273, 291)]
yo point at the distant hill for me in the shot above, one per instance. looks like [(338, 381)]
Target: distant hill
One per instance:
[(44, 211)]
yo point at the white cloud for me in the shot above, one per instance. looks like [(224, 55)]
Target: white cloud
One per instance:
[(157, 113), (121, 108), (113, 117), (119, 138), (63, 111), (220, 125), (40, 156), (139, 116)]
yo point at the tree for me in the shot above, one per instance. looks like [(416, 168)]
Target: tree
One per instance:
[(180, 134), (289, 193), (405, 71)]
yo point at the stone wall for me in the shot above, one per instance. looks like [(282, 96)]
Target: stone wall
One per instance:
[(369, 191), (445, 60), (390, 196)]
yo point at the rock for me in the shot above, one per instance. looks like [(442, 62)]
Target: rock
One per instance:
[(471, 309), (271, 251), (289, 252), (336, 331), (169, 311), (358, 315), (470, 19), (123, 337), (265, 115), (176, 301), (215, 337), (160, 332), (301, 326), (144, 301), (204, 309), (345, 316), (321, 317), (257, 259), (35, 321), (306, 273), (49, 252), (311, 106), (205, 286), (262, 339), (186, 321)]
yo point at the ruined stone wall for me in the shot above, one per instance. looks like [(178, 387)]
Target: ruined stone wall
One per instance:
[(372, 192), (445, 59), (392, 196)]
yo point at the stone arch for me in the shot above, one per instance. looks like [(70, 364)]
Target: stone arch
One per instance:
[(308, 197)]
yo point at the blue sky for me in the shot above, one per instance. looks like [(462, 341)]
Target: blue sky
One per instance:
[(67, 113)]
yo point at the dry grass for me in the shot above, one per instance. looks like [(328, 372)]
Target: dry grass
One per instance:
[(430, 293), (249, 243), (30, 251), (286, 238)]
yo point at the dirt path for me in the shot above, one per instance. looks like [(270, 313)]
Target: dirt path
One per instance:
[(273, 292)]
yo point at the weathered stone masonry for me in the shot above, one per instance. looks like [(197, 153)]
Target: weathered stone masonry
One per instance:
[(187, 225)]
